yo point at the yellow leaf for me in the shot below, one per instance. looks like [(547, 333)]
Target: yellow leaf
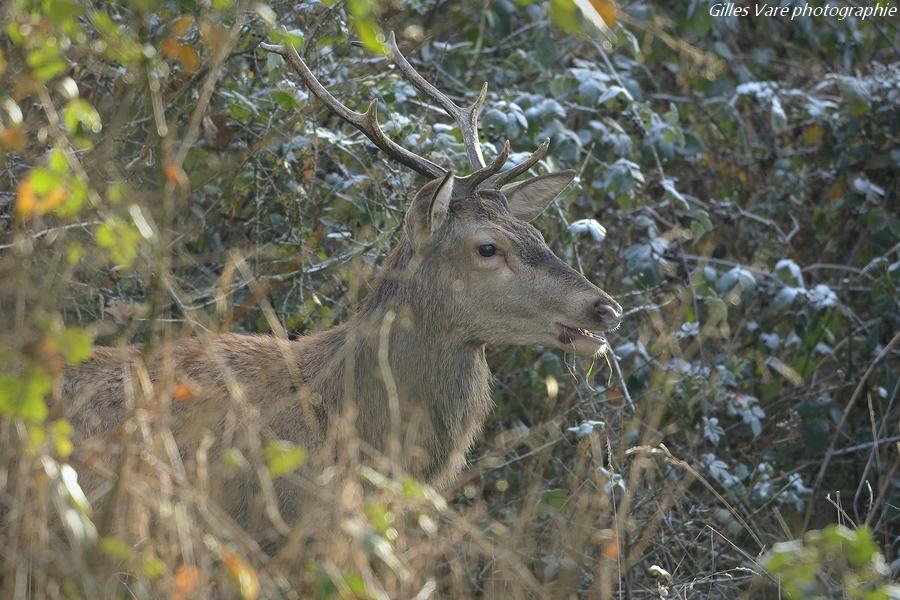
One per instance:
[(812, 135), (189, 59), (53, 200), (25, 199), (836, 191), (244, 575), (607, 11)]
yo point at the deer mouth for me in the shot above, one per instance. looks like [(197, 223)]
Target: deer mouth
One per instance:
[(582, 341)]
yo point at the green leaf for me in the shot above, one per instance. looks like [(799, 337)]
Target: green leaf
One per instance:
[(58, 162), (701, 224), (62, 437), (78, 192), (23, 397), (116, 548), (152, 566), (120, 239), (46, 61), (74, 344), (364, 24), (565, 15), (284, 99), (552, 500), (293, 38), (80, 112), (283, 457), (61, 12), (43, 180)]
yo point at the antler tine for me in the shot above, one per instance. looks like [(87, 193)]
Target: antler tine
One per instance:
[(366, 122), (469, 183), (496, 181), (465, 117)]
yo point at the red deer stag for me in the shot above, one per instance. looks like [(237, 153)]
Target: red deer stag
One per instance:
[(468, 271)]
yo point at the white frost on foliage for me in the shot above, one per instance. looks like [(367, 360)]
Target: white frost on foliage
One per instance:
[(585, 428), (590, 226), (821, 297)]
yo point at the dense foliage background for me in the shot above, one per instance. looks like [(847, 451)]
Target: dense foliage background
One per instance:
[(737, 191)]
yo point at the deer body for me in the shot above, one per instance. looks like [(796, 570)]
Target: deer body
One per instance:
[(301, 387), (408, 371)]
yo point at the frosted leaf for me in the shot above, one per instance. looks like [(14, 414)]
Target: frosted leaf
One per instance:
[(612, 92), (777, 116), (589, 226), (669, 186), (736, 276), (658, 572), (864, 186), (789, 272), (712, 431), (786, 296), (688, 330), (770, 340), (822, 297), (585, 428)]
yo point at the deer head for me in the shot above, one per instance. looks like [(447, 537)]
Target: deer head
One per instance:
[(473, 260)]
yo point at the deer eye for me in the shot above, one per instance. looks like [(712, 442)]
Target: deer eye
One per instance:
[(487, 250)]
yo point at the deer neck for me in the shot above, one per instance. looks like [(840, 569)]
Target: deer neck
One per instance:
[(398, 343)]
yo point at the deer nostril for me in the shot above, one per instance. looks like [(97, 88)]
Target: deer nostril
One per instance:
[(610, 314)]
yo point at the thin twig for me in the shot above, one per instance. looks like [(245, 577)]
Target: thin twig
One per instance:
[(840, 426)]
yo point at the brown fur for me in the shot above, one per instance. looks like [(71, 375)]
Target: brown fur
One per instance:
[(446, 303)]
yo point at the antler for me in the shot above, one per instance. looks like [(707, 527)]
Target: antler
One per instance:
[(466, 119), (366, 122), (497, 181)]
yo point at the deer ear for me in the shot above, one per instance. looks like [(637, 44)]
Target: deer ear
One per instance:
[(527, 199), (429, 209)]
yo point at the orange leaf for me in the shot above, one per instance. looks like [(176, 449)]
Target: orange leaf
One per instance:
[(607, 11), (181, 25), (611, 549), (49, 357), (29, 202), (189, 59), (186, 579), (183, 392), (175, 174), (615, 396), (25, 199), (12, 139), (170, 47), (54, 199)]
